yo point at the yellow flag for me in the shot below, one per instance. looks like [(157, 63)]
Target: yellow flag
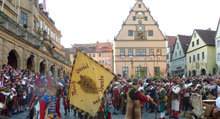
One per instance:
[(88, 83)]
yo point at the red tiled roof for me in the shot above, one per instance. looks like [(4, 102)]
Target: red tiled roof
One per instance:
[(171, 42), (94, 47)]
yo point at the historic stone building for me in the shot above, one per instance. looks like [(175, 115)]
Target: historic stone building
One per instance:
[(29, 38), (140, 46), (100, 52)]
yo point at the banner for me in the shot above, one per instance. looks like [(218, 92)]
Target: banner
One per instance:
[(88, 83)]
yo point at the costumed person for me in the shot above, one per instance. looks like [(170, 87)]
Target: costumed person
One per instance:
[(216, 112), (123, 94), (175, 96), (133, 101), (162, 100), (4, 93), (115, 96), (50, 103)]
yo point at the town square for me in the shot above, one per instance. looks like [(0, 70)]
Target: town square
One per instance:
[(118, 59)]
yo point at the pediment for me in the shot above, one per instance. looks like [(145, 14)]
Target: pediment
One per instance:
[(47, 50)]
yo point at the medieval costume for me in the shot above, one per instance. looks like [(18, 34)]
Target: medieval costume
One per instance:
[(133, 102), (50, 102), (49, 107), (175, 100), (162, 100), (115, 96), (123, 95)]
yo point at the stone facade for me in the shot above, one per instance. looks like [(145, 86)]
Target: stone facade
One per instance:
[(140, 46), (24, 44)]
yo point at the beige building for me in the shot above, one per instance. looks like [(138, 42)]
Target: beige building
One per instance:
[(201, 57), (29, 38), (100, 52), (140, 46)]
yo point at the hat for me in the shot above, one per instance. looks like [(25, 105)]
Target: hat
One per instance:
[(135, 82), (218, 82)]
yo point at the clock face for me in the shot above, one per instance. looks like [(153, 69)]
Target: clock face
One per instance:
[(140, 27)]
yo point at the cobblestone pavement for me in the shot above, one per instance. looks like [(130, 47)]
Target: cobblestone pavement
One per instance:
[(145, 115)]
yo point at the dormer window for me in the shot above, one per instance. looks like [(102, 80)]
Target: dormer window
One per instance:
[(139, 5)]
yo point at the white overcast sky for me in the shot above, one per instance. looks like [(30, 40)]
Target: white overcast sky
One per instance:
[(89, 21)]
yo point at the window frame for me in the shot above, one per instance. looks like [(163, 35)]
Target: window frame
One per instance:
[(122, 54), (137, 53), (130, 33), (130, 52), (23, 19), (150, 33), (143, 52)]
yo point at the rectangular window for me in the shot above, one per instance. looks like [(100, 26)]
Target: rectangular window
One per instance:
[(137, 52), (203, 55), (124, 71), (198, 57), (159, 52), (139, 5), (194, 35), (175, 54), (150, 33), (180, 53), (143, 52), (218, 56), (23, 18), (130, 52), (177, 46), (130, 32), (194, 58), (192, 44), (151, 52), (100, 54), (190, 59), (90, 55), (93, 55), (35, 25), (145, 18), (134, 18), (122, 52), (197, 42), (218, 43), (156, 71), (41, 24)]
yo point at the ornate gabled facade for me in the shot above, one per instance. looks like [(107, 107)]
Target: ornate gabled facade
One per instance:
[(30, 40), (179, 55), (217, 42), (201, 53), (140, 46)]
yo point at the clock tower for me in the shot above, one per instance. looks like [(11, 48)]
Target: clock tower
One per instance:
[(140, 46)]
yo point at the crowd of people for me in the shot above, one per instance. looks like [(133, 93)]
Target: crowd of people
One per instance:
[(25, 90), (173, 97)]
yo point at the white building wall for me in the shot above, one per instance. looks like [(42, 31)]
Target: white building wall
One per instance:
[(218, 48)]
